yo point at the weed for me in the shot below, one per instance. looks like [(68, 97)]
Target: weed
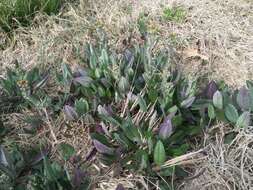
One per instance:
[(15, 12), (143, 111), (176, 14)]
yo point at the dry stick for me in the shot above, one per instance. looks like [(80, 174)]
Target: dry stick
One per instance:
[(50, 127), (182, 158), (201, 172), (125, 107), (242, 166)]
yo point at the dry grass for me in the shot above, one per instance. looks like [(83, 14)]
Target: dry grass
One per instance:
[(220, 30), (227, 166)]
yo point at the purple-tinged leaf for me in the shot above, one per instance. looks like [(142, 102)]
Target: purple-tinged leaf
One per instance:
[(109, 109), (75, 159), (91, 155), (131, 97), (99, 129), (80, 73), (210, 90), (165, 128), (188, 102), (120, 187), (243, 98), (40, 156), (70, 113), (78, 177), (129, 57), (105, 110), (83, 80), (101, 148)]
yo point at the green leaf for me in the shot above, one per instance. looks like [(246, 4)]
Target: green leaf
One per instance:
[(123, 85), (243, 120), (142, 159), (159, 153), (66, 151), (6, 164), (32, 75), (122, 139), (142, 103), (48, 170), (66, 72), (131, 131), (104, 57), (211, 112), (81, 106), (231, 113), (110, 120), (167, 171), (218, 100)]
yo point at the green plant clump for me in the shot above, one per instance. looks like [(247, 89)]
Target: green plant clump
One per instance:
[(141, 111), (15, 12), (176, 14)]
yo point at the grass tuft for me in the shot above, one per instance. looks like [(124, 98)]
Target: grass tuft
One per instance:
[(176, 14), (21, 12)]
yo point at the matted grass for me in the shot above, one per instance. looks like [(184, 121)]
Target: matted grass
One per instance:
[(227, 166)]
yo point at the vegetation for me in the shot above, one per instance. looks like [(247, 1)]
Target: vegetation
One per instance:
[(140, 110), (15, 12), (176, 14)]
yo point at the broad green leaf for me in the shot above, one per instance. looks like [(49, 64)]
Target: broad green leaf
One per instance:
[(220, 115), (142, 159), (218, 100), (123, 85), (104, 57), (97, 73), (6, 164), (243, 120), (231, 113), (142, 103), (167, 171), (81, 106), (32, 75), (66, 72), (159, 153), (122, 139), (188, 102), (110, 120), (49, 172), (66, 151), (211, 112), (131, 131)]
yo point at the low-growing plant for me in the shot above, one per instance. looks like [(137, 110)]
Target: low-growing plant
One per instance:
[(140, 109), (226, 105), (176, 14), (15, 12), (33, 170)]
